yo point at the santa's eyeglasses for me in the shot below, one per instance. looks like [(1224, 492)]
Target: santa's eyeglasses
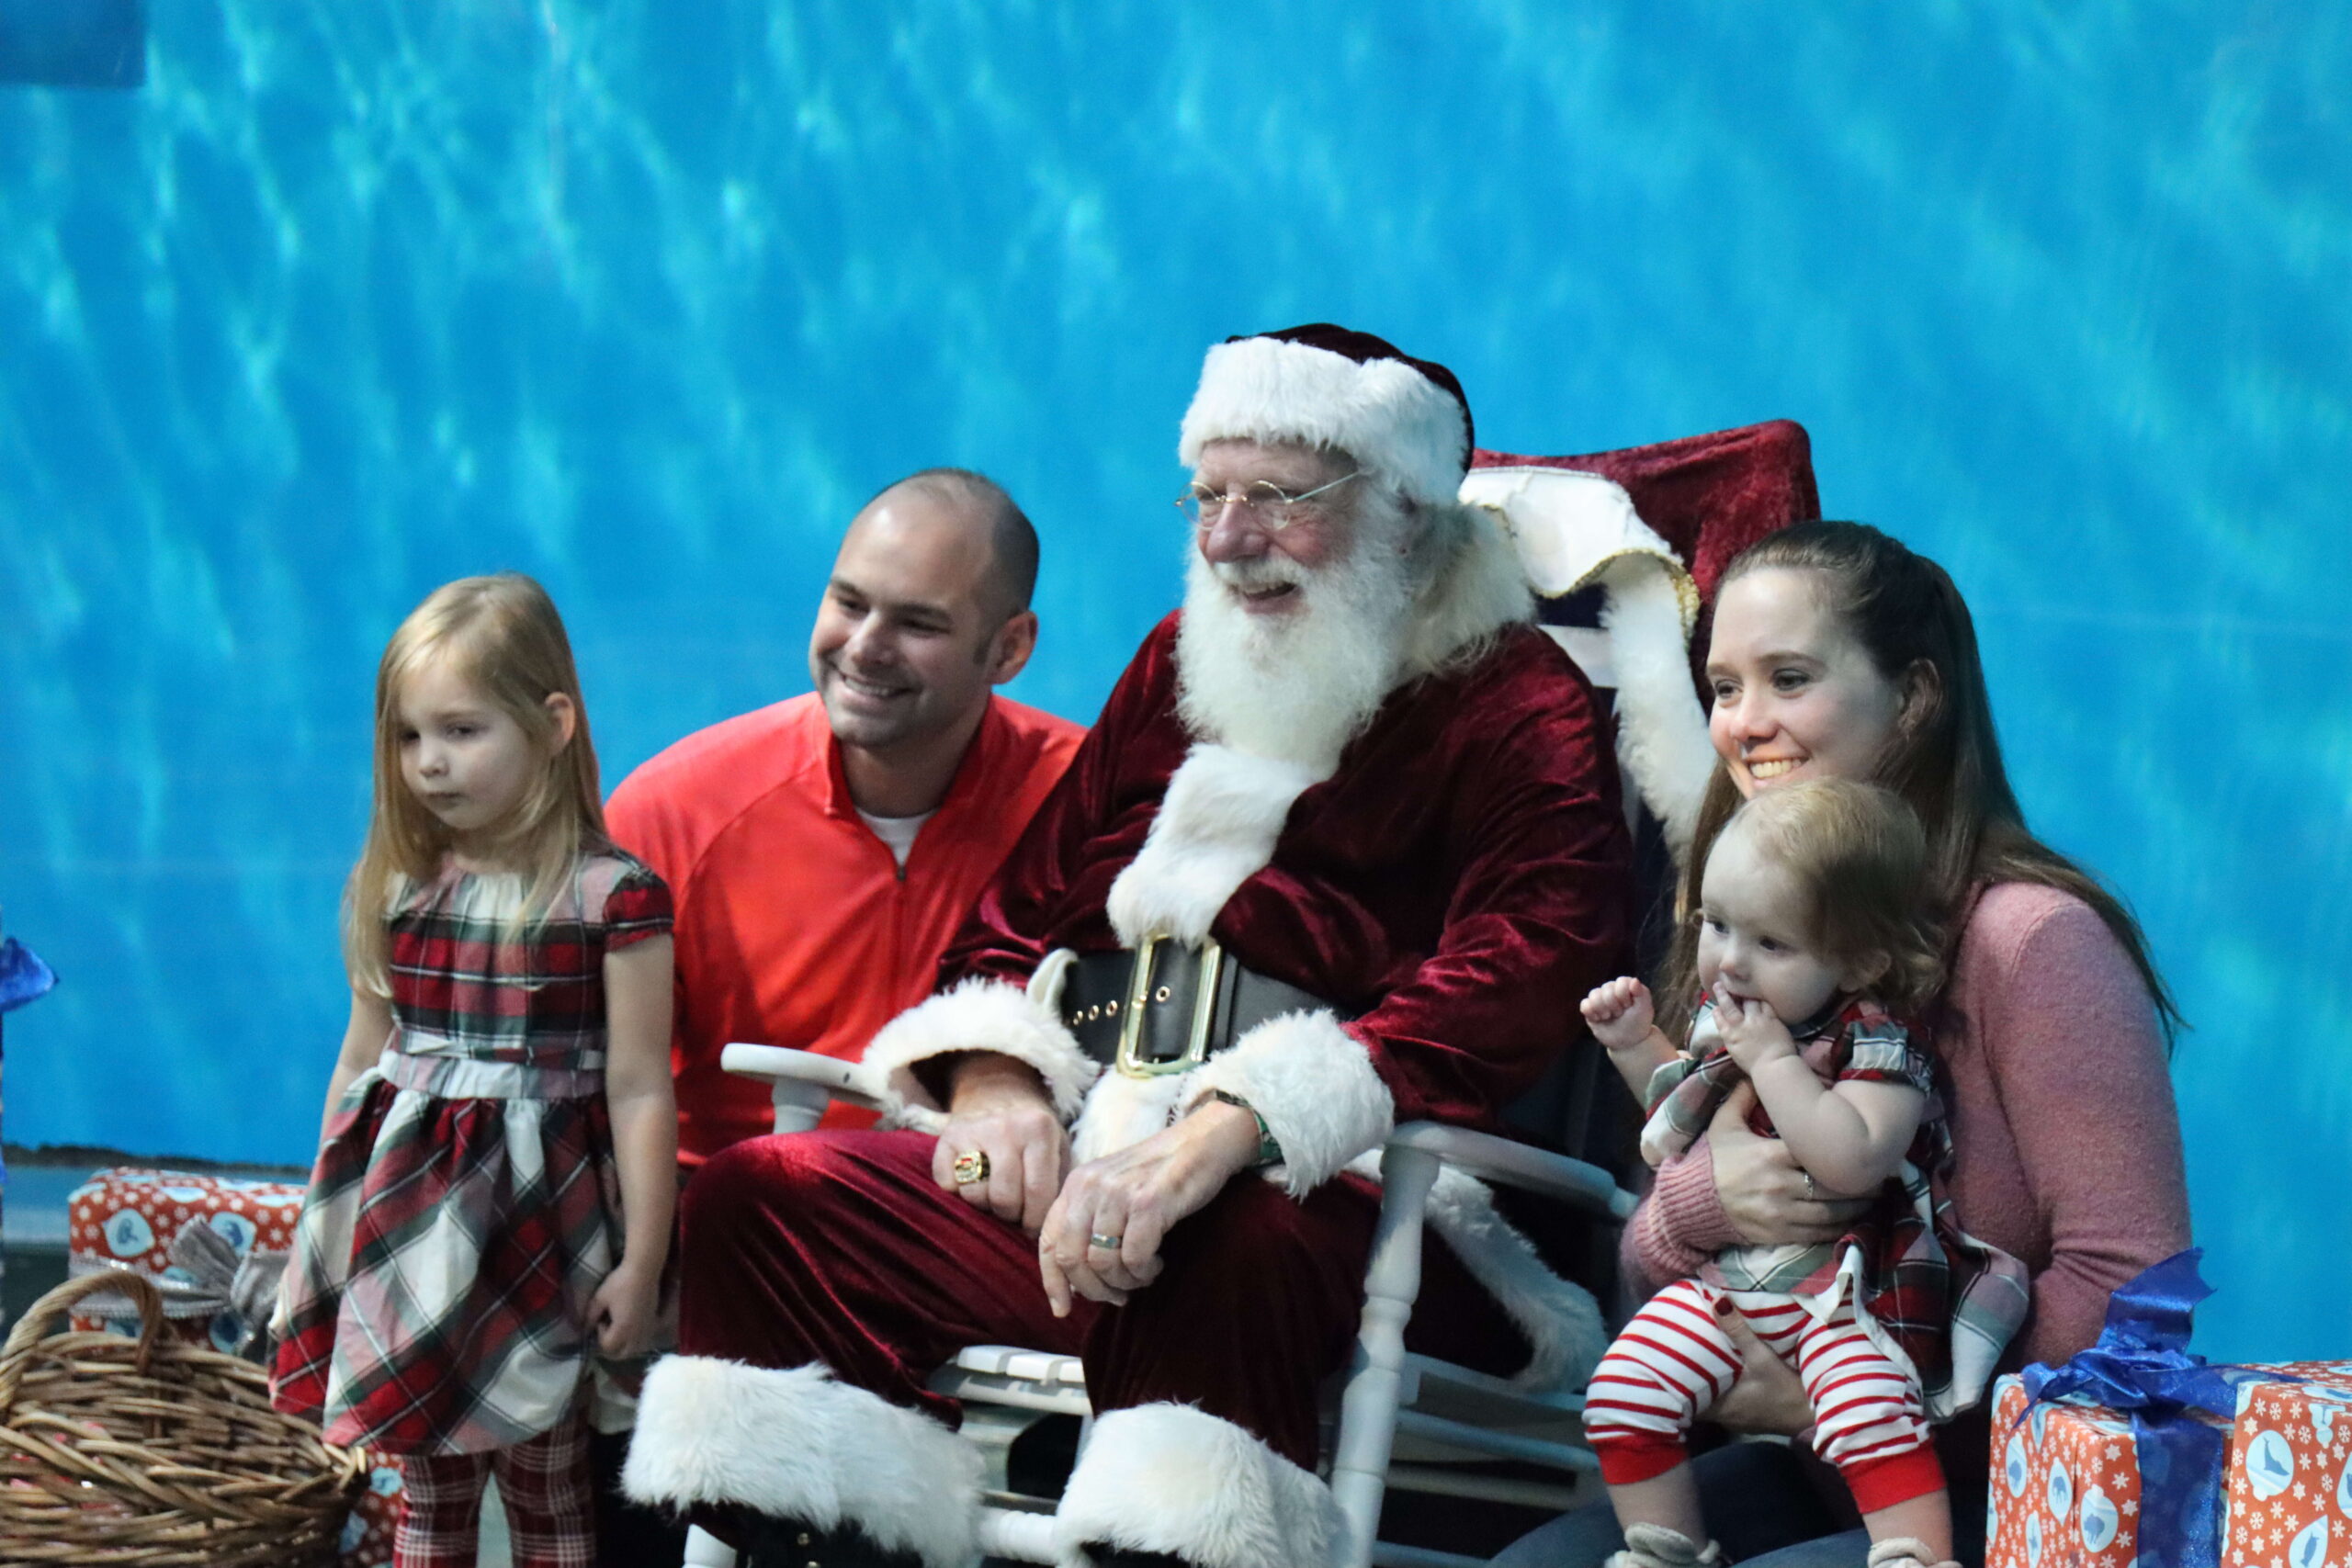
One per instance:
[(1274, 507)]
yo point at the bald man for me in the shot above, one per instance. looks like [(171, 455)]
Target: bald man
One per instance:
[(823, 850)]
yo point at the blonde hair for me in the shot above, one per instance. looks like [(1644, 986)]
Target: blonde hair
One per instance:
[(504, 637), (1859, 858)]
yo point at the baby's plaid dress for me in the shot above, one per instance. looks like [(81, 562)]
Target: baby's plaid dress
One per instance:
[(465, 1205)]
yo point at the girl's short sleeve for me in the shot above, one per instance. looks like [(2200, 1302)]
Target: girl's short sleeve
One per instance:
[(638, 907), (1882, 1051)]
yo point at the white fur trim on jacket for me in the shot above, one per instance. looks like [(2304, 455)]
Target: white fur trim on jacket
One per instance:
[(796, 1444), (1214, 829), (1389, 417), (1315, 1085), (1173, 1479), (1573, 529), (980, 1015)]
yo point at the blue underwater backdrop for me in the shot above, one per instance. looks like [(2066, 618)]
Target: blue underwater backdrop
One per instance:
[(347, 300)]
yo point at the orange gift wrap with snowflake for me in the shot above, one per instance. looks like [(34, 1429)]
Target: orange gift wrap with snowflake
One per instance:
[(2290, 1468), (2067, 1484), (213, 1244), (2136, 1453)]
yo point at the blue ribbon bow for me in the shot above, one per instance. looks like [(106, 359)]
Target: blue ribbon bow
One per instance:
[(2142, 1365), (23, 976)]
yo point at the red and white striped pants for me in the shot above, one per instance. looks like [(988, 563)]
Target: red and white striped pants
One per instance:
[(1674, 1360), (544, 1484)]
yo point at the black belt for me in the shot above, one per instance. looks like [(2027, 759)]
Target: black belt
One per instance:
[(1166, 1007)]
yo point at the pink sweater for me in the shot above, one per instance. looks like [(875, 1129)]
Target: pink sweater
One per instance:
[(2066, 1141)]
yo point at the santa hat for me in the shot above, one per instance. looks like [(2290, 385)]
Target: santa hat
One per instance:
[(1404, 420)]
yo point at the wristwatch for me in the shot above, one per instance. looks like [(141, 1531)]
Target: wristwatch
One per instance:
[(1269, 1151)]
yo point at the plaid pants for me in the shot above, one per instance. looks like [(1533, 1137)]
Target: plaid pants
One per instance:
[(1674, 1360), (544, 1484)]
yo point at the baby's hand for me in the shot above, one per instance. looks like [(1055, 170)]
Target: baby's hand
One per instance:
[(1620, 1013), (1751, 1032)]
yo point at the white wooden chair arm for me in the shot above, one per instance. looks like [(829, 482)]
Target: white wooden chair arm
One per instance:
[(801, 1082), (1491, 1158)]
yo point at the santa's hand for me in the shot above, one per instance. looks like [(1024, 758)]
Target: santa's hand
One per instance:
[(1752, 1033), (1620, 1013), (1003, 1149), (1765, 1193), (1101, 1240)]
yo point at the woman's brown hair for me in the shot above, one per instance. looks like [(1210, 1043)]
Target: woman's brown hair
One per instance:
[(506, 640), (1904, 612)]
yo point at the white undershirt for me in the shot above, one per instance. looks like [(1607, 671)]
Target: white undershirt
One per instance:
[(898, 832)]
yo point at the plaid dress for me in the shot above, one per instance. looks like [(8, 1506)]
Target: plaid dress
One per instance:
[(1937, 1302), (464, 1206)]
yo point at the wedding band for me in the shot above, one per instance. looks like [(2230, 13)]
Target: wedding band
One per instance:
[(1808, 1186), (971, 1166), (1107, 1242)]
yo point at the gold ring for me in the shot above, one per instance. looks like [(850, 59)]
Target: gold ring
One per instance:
[(1107, 1242), (971, 1166)]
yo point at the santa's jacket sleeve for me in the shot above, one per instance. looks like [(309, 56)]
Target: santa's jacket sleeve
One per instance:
[(1538, 915), (984, 1002)]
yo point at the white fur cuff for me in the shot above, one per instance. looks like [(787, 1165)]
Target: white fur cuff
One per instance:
[(1173, 1479), (796, 1444), (979, 1015), (1315, 1085)]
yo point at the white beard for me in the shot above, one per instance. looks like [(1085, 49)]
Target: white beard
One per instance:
[(1295, 687)]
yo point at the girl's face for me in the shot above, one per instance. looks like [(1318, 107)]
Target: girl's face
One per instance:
[(1752, 942), (1795, 696), (464, 758)]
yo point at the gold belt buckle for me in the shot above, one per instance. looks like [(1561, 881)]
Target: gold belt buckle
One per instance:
[(1142, 994)]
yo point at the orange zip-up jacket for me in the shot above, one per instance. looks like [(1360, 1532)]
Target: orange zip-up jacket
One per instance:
[(795, 924)]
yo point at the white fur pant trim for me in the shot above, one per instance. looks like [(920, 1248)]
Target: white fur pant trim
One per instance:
[(794, 1444), (1170, 1478)]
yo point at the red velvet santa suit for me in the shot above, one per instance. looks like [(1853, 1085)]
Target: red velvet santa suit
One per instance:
[(1459, 883), (1454, 885)]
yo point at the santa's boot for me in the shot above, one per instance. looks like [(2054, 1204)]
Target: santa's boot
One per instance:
[(1655, 1546), (1905, 1552), (1160, 1484), (794, 1469)]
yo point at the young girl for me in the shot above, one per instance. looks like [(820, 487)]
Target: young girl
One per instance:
[(1809, 931), (503, 1098)]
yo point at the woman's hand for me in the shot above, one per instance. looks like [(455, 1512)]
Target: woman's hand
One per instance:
[(1768, 1395), (1102, 1238), (624, 1308), (999, 1111), (1765, 1193)]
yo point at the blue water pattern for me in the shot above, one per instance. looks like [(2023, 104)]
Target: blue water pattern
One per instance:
[(345, 301)]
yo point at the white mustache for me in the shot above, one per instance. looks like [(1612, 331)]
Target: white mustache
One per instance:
[(1264, 572)]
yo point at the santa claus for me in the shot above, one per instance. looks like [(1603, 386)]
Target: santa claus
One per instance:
[(1344, 848)]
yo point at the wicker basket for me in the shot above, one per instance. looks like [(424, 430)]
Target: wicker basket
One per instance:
[(153, 1453)]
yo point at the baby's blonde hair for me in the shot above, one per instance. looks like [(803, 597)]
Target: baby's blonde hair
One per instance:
[(1860, 860), (506, 640)]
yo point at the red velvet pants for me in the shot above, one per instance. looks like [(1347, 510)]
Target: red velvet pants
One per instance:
[(837, 1247)]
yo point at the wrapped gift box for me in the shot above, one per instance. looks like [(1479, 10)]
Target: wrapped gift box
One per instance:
[(367, 1533), (2066, 1487), (2291, 1469), (128, 1218)]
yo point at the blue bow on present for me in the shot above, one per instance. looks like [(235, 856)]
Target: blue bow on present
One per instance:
[(2142, 1365), (23, 976)]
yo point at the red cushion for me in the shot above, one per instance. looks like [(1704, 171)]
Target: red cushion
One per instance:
[(1708, 496)]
